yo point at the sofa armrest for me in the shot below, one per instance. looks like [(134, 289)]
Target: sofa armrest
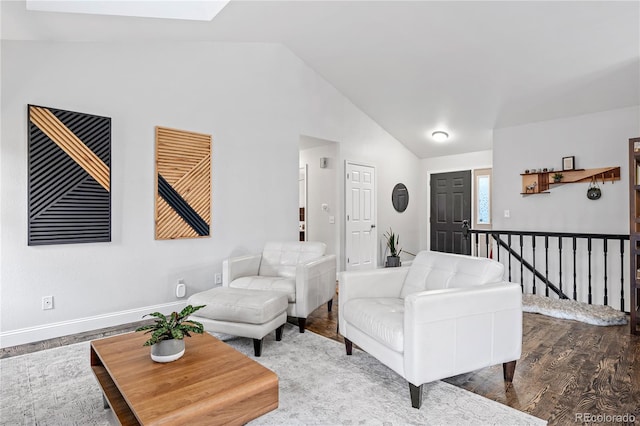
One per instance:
[(452, 331), (315, 284), (242, 266)]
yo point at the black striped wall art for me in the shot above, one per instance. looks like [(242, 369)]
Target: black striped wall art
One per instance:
[(69, 177), (183, 184)]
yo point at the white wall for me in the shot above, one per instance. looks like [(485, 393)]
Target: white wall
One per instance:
[(361, 140), (444, 164), (255, 99), (322, 188), (596, 140)]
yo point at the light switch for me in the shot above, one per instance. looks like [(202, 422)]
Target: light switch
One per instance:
[(332, 219), (507, 213), (325, 207)]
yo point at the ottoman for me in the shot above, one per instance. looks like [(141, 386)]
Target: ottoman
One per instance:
[(242, 312)]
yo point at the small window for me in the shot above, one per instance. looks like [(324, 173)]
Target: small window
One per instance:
[(484, 200)]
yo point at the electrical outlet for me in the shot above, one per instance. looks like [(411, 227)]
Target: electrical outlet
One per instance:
[(47, 302), (218, 278)]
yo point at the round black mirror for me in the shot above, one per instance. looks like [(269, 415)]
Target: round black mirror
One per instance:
[(400, 197)]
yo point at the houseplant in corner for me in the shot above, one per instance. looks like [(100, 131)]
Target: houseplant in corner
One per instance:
[(393, 259), (167, 336)]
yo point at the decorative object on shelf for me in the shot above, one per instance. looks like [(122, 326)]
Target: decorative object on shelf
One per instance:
[(568, 163), (69, 177), (526, 172), (543, 180), (393, 259), (400, 197), (532, 187), (545, 170), (594, 192), (167, 336), (557, 177), (183, 184)]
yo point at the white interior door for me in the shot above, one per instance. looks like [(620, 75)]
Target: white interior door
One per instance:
[(360, 216)]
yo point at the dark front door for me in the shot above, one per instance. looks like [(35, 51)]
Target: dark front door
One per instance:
[(450, 205)]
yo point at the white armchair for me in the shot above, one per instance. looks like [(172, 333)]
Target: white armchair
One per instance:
[(444, 315), (300, 270)]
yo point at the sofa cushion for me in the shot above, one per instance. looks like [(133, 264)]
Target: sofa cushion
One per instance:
[(240, 305), (280, 284), (380, 318), (434, 270), (280, 259)]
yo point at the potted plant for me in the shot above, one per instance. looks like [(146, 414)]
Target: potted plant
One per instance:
[(167, 336), (557, 177), (393, 259)]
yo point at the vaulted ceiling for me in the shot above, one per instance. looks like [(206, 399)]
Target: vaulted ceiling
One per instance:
[(418, 66)]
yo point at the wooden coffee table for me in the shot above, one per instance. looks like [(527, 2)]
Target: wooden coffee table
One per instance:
[(211, 384)]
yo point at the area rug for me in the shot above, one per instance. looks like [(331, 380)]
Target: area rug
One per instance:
[(319, 385), (573, 310)]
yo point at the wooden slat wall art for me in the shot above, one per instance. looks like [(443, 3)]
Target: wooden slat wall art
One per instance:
[(183, 184), (69, 177)]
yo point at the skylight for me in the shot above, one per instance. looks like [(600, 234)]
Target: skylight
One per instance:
[(201, 10)]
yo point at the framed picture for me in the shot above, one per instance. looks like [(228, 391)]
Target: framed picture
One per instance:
[(69, 177), (568, 163)]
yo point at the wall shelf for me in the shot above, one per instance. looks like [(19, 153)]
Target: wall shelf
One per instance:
[(542, 182)]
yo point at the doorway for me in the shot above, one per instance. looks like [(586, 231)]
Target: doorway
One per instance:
[(318, 159), (302, 204), (450, 206)]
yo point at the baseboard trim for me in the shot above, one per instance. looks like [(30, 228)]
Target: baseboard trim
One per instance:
[(64, 328)]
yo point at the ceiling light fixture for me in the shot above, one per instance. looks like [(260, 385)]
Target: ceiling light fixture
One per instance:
[(440, 136)]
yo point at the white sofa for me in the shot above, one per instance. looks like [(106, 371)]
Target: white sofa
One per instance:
[(444, 315), (298, 269)]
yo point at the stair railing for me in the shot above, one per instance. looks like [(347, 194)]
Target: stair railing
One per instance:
[(593, 275)]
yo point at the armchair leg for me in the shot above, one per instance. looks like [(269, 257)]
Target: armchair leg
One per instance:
[(329, 305), (301, 324), (348, 345), (257, 347), (279, 331), (509, 369), (416, 395)]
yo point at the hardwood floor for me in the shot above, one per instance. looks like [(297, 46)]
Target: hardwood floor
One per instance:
[(68, 340), (567, 368)]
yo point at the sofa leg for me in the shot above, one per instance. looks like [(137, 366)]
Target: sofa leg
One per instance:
[(279, 331), (416, 395), (509, 369), (257, 347), (329, 305), (348, 345), (301, 324)]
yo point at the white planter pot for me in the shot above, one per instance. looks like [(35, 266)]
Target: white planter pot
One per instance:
[(167, 350)]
